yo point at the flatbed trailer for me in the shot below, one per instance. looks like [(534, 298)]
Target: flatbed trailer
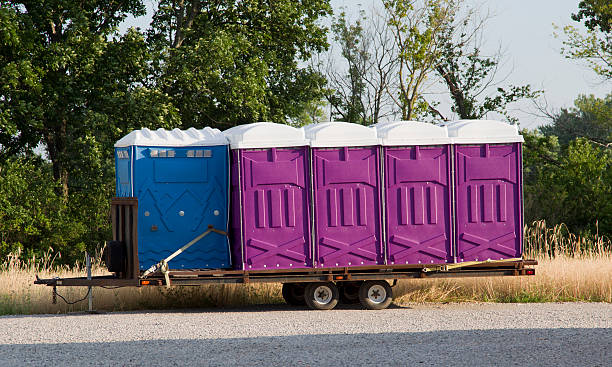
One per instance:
[(455, 194), (301, 286)]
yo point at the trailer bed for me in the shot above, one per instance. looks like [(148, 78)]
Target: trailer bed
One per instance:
[(339, 274)]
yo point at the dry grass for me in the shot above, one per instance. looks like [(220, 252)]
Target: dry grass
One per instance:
[(559, 279), (18, 294), (571, 268), (550, 242)]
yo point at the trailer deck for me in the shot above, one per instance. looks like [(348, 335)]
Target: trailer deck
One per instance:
[(200, 277)]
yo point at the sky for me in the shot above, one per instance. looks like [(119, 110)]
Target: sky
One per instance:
[(524, 29)]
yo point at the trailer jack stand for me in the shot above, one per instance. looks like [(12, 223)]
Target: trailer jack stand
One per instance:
[(54, 295)]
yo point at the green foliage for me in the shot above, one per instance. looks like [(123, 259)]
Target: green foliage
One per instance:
[(541, 156), (596, 14), (585, 174), (571, 186), (594, 47), (590, 118), (311, 112), (64, 73), (568, 168), (32, 217), (70, 83), (346, 99), (225, 62), (419, 29)]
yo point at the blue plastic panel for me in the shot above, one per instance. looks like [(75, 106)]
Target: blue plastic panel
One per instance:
[(180, 192)]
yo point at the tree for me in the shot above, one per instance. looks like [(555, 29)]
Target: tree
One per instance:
[(469, 75), (596, 14), (312, 112), (70, 84), (62, 77), (591, 118), (586, 177), (358, 92), (225, 62), (569, 185), (594, 47), (32, 217), (541, 159), (419, 29), (568, 167), (348, 89)]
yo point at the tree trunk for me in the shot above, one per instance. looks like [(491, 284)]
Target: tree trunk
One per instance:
[(185, 15), (456, 93), (56, 147)]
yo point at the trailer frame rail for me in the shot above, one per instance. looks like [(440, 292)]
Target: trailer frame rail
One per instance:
[(381, 272)]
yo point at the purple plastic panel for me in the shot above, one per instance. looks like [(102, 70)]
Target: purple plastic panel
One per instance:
[(489, 213), (276, 213), (347, 207), (418, 218)]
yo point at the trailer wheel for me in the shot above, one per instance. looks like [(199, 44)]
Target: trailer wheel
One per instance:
[(349, 292), (293, 293), (321, 296), (375, 294)]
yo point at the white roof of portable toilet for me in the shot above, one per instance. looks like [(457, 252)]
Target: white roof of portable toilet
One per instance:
[(265, 135), (340, 134), (411, 133), (173, 138), (483, 131)]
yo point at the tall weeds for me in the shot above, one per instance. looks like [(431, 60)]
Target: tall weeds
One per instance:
[(571, 268), (550, 242)]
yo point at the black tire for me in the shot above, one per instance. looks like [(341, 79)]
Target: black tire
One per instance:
[(293, 293), (349, 292), (115, 257), (321, 296), (375, 294)]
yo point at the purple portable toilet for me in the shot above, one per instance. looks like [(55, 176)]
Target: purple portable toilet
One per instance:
[(488, 189), (270, 197), (345, 161), (417, 192)]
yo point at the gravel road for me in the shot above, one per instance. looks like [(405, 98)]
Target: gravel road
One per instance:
[(568, 334)]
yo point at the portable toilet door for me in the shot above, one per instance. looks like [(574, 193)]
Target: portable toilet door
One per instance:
[(417, 192), (488, 189), (345, 161), (270, 197), (181, 181)]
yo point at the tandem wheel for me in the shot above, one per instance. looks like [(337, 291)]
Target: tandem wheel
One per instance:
[(375, 294), (321, 296), (349, 292), (293, 293)]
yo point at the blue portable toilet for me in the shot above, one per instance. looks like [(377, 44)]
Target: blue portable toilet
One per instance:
[(181, 181)]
